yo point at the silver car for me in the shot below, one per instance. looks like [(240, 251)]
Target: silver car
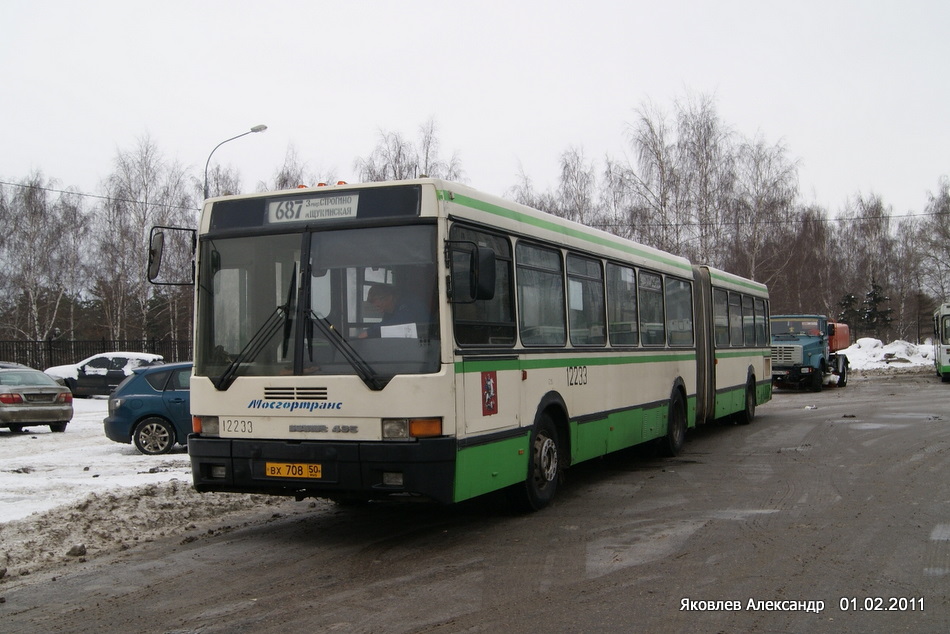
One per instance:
[(30, 397)]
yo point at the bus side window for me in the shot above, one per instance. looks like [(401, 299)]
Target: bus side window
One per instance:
[(721, 317), (652, 328), (622, 305), (585, 283), (540, 295), (679, 312)]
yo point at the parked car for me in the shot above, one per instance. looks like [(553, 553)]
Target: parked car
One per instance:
[(29, 397), (13, 365), (152, 408), (101, 373)]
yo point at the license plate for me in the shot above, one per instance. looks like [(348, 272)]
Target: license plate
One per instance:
[(293, 470)]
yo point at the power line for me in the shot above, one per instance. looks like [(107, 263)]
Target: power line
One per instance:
[(109, 198)]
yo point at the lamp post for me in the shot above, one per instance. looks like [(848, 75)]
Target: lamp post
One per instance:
[(257, 128)]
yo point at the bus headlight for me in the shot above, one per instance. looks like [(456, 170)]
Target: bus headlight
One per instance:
[(409, 428), (205, 425)]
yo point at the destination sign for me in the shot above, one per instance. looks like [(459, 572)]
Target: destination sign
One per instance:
[(316, 209)]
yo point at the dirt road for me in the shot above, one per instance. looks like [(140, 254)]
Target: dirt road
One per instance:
[(826, 508)]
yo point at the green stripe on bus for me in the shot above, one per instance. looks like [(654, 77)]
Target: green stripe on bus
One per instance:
[(564, 362), (736, 354), (738, 281), (551, 225)]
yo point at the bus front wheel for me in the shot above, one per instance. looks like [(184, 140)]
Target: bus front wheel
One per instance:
[(544, 468)]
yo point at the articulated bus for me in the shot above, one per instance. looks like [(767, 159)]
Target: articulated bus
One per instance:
[(942, 341), (420, 338)]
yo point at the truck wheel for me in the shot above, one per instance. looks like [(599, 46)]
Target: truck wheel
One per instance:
[(843, 375), (817, 380)]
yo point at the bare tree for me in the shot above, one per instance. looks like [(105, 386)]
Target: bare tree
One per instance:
[(143, 190), (764, 193), (293, 173), (935, 240), (395, 158), (429, 160), (221, 182), (40, 258), (705, 162), (577, 188), (658, 212)]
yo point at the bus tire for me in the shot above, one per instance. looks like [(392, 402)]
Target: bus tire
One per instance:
[(544, 468), (747, 414), (672, 443)]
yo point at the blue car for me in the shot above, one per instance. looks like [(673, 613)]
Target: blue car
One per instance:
[(152, 408)]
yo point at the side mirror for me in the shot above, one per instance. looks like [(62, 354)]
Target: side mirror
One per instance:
[(177, 246), (472, 274), (483, 273), (156, 246)]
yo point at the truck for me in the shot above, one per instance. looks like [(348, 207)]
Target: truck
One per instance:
[(807, 351)]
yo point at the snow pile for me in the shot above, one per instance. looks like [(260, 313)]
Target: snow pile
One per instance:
[(871, 354), (72, 495)]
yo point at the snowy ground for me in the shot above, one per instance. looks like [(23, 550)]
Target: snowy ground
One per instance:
[(67, 495)]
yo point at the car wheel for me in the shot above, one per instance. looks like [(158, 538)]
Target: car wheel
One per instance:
[(16, 429), (57, 427), (154, 436)]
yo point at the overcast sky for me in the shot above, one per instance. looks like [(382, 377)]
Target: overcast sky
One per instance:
[(857, 91)]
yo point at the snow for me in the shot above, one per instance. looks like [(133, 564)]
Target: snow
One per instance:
[(71, 371), (42, 469), (872, 354), (67, 495), (63, 495)]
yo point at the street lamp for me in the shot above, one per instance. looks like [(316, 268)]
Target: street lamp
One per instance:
[(257, 128)]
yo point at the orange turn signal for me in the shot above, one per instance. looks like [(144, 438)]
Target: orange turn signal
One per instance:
[(425, 427)]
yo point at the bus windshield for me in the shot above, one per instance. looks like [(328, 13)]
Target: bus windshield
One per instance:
[(352, 301)]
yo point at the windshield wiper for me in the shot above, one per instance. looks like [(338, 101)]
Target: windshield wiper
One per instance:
[(282, 316), (363, 369)]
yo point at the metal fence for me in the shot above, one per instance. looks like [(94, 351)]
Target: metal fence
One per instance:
[(45, 354)]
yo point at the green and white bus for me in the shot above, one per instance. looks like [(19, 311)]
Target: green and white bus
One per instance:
[(420, 338), (942, 341)]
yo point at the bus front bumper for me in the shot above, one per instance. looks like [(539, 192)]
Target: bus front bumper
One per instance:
[(334, 470)]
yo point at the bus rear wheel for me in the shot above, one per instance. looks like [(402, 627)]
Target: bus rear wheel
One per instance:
[(748, 413), (675, 438), (544, 468)]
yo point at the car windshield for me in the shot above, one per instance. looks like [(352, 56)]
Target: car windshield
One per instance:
[(354, 301), (12, 378)]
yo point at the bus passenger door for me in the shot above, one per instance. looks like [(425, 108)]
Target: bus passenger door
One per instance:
[(491, 397), (705, 323)]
